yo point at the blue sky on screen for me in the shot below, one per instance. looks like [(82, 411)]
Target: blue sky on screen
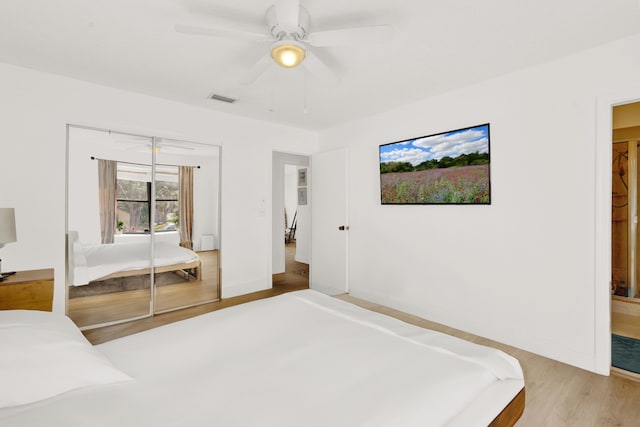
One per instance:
[(452, 144)]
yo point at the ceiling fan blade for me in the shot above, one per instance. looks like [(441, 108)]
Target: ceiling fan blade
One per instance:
[(315, 66), (181, 147), (288, 13), (358, 35), (132, 141), (256, 71), (221, 32)]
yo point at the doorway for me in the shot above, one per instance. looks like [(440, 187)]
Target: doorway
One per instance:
[(625, 258), (291, 221)]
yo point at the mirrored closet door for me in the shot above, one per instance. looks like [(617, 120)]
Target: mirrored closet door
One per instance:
[(143, 225), (186, 224)]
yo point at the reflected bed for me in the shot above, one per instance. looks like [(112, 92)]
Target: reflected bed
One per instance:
[(90, 263)]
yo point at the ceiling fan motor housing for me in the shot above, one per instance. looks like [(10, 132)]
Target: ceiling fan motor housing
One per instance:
[(278, 32)]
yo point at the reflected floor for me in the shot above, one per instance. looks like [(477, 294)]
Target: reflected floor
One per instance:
[(104, 307)]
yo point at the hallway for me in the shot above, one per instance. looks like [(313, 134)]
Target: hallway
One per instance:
[(296, 273)]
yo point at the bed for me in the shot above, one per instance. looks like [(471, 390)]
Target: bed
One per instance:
[(299, 359), (89, 263)]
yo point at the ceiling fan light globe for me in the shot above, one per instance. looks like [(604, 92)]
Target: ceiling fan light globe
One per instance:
[(288, 55), (289, 59)]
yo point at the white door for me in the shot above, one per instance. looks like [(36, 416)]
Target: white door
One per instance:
[(329, 229)]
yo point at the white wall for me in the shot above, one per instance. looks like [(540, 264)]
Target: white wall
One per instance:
[(205, 201), (36, 107), (520, 271), (82, 198)]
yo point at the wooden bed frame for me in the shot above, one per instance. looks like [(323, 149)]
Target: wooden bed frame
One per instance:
[(190, 269), (511, 413)]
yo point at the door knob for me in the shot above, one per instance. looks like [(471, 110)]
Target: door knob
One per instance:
[(343, 227)]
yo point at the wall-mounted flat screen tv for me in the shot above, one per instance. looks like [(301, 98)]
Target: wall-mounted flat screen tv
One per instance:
[(445, 168)]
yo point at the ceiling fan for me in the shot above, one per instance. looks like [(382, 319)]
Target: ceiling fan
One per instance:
[(288, 30), (145, 144)]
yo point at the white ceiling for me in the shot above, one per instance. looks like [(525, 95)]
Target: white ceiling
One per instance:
[(437, 45)]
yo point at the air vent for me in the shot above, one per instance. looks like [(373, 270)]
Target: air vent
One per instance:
[(221, 98)]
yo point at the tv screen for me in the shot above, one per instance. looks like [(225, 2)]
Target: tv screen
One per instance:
[(445, 168)]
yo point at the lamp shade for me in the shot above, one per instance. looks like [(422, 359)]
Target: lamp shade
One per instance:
[(7, 226)]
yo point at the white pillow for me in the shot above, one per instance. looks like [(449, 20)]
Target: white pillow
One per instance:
[(44, 354)]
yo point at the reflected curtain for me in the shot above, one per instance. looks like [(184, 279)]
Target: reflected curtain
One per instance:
[(185, 200), (107, 187)]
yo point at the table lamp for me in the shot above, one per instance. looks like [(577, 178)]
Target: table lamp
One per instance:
[(7, 231)]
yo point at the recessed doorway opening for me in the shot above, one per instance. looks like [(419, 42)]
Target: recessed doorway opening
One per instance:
[(291, 221)]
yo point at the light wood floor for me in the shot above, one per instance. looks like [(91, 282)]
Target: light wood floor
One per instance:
[(296, 273), (97, 309)]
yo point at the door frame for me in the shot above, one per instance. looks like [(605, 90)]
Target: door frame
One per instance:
[(602, 220)]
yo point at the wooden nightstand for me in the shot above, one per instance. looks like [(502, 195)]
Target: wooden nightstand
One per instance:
[(27, 290)]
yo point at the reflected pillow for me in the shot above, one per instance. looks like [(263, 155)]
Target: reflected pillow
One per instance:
[(44, 354)]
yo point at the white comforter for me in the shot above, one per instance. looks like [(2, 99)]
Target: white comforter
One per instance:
[(300, 359), (91, 262)]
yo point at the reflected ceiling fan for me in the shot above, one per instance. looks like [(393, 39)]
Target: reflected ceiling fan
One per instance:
[(288, 30), (145, 144)]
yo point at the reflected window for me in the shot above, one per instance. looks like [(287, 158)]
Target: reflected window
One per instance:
[(133, 200), (167, 205)]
